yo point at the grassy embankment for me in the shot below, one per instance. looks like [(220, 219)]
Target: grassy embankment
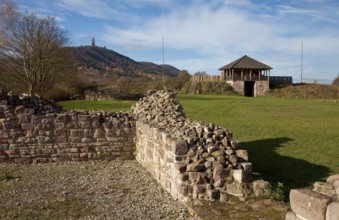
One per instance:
[(295, 142)]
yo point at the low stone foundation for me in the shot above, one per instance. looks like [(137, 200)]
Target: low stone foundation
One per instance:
[(320, 203), (34, 131)]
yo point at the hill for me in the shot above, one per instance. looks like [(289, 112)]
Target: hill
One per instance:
[(101, 65)]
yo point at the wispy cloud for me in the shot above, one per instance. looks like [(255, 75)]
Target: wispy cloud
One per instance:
[(315, 14), (90, 8), (43, 12)]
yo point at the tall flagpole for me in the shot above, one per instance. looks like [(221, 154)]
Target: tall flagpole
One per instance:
[(163, 64), (301, 67)]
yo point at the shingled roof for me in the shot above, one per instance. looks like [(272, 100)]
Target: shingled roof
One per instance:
[(246, 62)]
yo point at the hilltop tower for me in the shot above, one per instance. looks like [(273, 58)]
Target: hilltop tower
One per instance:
[(93, 42)]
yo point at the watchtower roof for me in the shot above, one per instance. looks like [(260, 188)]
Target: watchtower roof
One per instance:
[(246, 62)]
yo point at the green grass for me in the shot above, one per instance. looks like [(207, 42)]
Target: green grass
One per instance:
[(295, 142), (114, 106), (292, 141)]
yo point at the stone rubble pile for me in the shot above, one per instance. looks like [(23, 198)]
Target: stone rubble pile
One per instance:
[(160, 108), (191, 159), (320, 203), (35, 103)]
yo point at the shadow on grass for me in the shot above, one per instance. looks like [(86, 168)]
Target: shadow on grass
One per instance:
[(292, 172)]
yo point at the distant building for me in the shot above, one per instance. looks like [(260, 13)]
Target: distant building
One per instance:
[(247, 76), (93, 42)]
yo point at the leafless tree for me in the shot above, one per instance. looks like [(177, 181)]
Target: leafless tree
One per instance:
[(336, 81), (31, 47)]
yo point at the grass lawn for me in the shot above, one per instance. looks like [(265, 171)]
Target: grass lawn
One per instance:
[(295, 142), (114, 106)]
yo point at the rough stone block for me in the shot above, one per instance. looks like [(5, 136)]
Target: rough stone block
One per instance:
[(219, 172), (332, 212), (213, 194), (73, 150), (75, 139), (84, 118), (179, 147), (165, 136), (27, 126), (336, 187), (76, 133), (196, 167), (4, 134), (325, 188), (260, 188), (86, 140), (243, 154), (308, 204), (183, 189), (219, 183), (235, 189), (99, 133), (242, 176), (199, 189), (223, 197), (333, 178), (61, 139), (291, 216), (180, 166)]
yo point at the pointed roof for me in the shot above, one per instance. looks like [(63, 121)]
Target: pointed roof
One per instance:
[(245, 62)]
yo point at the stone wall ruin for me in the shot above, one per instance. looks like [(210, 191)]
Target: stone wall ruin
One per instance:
[(33, 130), (190, 159)]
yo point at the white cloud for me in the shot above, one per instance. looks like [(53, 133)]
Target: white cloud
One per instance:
[(91, 8), (43, 12), (313, 13)]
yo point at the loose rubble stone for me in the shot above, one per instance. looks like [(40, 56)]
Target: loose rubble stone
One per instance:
[(260, 188), (332, 212), (333, 178)]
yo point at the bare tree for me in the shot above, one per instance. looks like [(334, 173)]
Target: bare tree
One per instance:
[(31, 46), (336, 81)]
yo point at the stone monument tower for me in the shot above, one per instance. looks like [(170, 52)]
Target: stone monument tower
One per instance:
[(93, 42)]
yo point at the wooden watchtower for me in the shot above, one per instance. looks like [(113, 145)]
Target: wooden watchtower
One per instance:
[(247, 76)]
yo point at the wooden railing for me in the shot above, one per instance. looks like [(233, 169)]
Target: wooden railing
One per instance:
[(247, 78)]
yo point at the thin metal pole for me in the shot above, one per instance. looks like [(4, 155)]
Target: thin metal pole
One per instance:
[(163, 63), (301, 67)]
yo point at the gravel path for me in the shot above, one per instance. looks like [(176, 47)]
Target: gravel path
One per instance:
[(84, 190)]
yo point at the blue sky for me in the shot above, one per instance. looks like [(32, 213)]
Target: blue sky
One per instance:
[(204, 35)]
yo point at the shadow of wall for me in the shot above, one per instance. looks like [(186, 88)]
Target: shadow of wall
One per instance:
[(271, 166)]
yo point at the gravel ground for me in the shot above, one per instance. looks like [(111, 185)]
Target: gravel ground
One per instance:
[(84, 190)]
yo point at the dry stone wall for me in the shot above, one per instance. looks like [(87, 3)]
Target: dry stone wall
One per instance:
[(321, 203), (34, 130), (90, 95), (190, 159)]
